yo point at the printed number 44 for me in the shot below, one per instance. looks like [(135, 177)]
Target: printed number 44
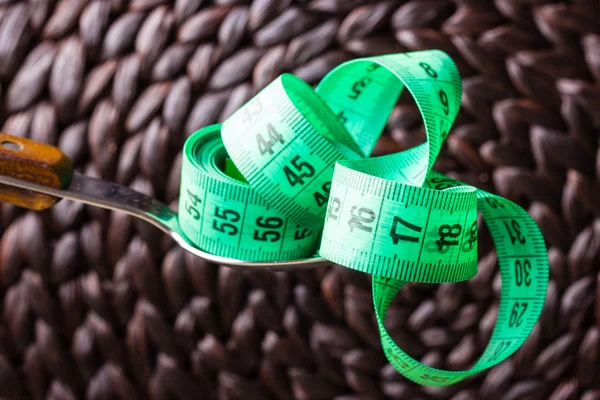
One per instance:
[(266, 146)]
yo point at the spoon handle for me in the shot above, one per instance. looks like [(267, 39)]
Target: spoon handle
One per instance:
[(36, 163)]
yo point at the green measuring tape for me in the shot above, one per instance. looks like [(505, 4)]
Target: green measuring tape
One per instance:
[(288, 176)]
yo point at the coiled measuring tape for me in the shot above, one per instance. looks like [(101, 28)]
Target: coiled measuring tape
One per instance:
[(288, 175)]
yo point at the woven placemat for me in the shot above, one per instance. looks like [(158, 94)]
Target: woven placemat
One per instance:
[(96, 305)]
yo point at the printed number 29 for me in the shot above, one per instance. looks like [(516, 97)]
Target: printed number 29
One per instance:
[(516, 314)]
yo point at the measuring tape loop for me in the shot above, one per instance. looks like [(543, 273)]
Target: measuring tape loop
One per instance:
[(523, 265), (281, 143), (393, 230), (227, 217), (290, 171)]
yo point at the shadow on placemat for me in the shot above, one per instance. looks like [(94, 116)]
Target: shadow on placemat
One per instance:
[(96, 305)]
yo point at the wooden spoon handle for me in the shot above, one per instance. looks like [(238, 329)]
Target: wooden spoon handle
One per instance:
[(33, 162)]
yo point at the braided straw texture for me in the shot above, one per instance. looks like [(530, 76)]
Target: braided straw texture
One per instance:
[(96, 305)]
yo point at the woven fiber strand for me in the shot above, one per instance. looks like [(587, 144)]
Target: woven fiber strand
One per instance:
[(96, 305)]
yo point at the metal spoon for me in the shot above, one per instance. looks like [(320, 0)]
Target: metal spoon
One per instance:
[(117, 197)]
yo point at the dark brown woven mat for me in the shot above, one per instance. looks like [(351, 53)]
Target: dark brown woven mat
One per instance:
[(96, 305)]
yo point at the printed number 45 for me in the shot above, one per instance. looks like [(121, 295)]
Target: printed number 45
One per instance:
[(302, 170)]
